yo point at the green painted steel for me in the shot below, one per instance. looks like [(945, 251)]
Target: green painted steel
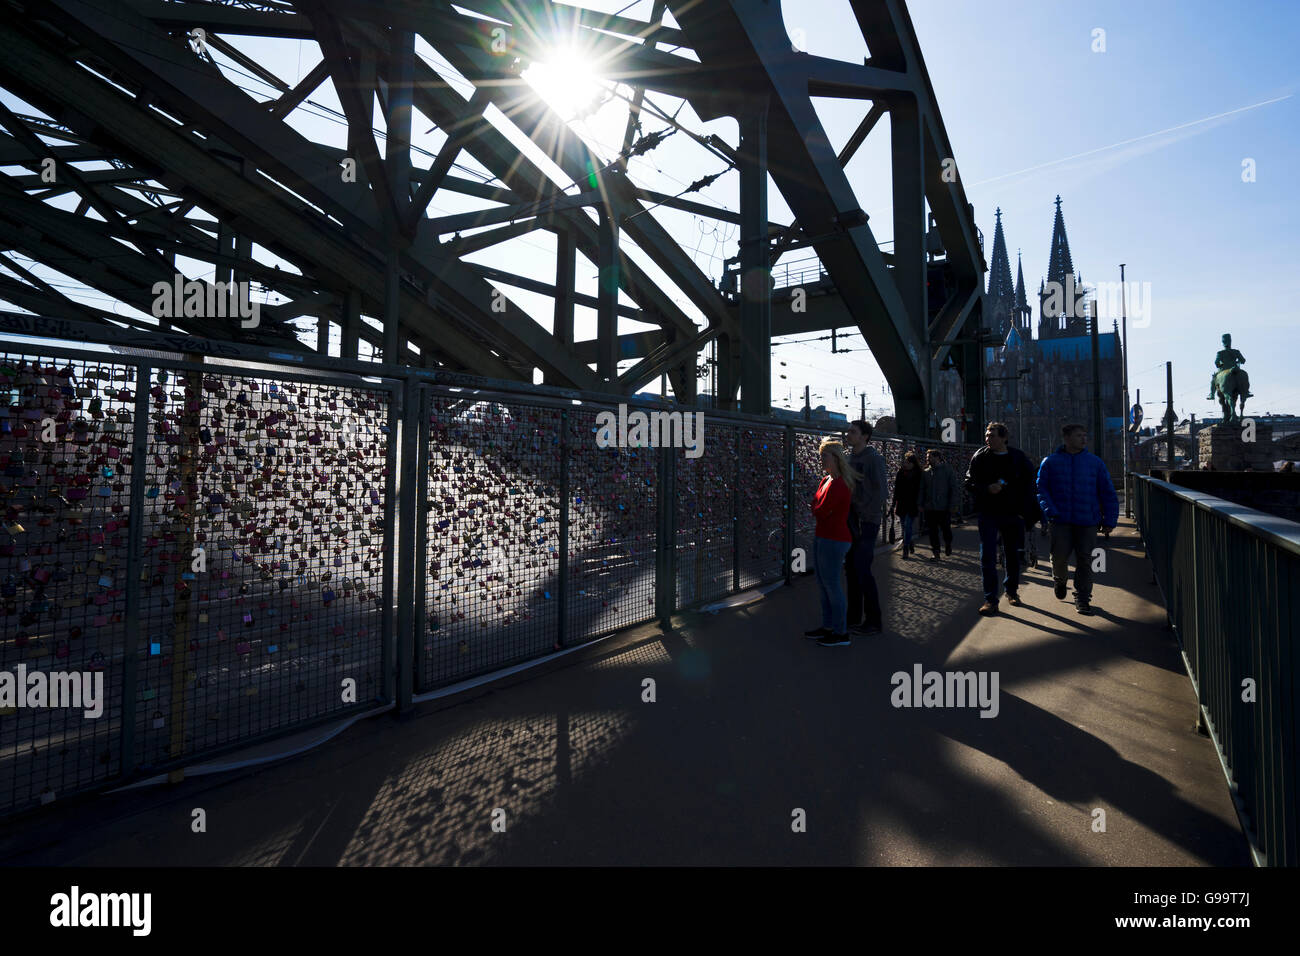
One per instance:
[(1230, 577)]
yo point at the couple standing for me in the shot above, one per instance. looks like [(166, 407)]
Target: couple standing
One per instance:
[(848, 505), (932, 490)]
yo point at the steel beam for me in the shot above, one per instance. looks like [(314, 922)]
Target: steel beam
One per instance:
[(909, 274), (755, 265), (397, 164), (754, 41), (286, 193), (861, 133), (843, 80), (454, 293), (607, 297), (565, 265)]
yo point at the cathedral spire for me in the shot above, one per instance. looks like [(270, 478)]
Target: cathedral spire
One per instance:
[(1001, 293), (1023, 313), (1060, 264), (1000, 269), (1020, 284)]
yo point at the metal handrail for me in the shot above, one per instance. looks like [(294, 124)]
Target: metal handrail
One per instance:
[(1276, 531), (1207, 555)]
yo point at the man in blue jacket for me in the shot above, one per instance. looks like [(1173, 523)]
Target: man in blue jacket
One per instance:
[(1077, 497)]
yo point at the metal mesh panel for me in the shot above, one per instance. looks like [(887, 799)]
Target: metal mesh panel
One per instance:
[(807, 476), (761, 520), (958, 459), (892, 451), (706, 519), (491, 593), (65, 447), (613, 497), (262, 580), (957, 456), (808, 473), (282, 486)]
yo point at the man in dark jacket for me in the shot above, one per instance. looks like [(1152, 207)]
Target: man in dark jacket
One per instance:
[(1002, 480), (1077, 497), (864, 616), (940, 497)]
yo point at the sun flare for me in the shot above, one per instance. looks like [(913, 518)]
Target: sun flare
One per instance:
[(566, 81)]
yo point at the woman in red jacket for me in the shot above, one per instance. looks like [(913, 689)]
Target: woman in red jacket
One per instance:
[(830, 507)]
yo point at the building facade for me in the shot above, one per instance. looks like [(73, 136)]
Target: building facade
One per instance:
[(1036, 384)]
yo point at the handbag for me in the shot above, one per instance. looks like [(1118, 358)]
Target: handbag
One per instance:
[(893, 528)]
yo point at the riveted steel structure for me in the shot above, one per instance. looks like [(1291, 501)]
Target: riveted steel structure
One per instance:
[(192, 164)]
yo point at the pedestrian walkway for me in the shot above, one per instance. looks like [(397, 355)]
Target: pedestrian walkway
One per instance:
[(753, 727)]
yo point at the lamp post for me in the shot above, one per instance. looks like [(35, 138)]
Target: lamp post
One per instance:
[(1128, 434)]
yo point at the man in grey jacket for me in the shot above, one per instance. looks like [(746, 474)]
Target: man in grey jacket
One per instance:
[(864, 524), (940, 497)]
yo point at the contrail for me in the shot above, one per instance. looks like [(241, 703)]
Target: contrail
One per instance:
[(1135, 139)]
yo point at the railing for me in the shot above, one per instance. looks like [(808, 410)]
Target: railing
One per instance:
[(239, 549), (800, 272), (1230, 577), (806, 270)]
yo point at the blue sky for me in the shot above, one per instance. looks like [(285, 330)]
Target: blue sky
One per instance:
[(1144, 142)]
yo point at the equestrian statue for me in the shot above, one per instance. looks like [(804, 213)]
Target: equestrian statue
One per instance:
[(1230, 384)]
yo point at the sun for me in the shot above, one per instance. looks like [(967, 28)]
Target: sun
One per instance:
[(567, 82)]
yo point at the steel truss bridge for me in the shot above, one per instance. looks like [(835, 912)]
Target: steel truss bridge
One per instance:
[(146, 145)]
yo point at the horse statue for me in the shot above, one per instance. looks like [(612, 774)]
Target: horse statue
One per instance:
[(1230, 384), (1232, 388)]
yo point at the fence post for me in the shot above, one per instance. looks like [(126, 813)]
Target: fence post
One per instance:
[(394, 422), (405, 545), (787, 536), (666, 545), (1196, 634), (135, 539), (181, 614), (562, 587), (419, 597), (671, 586), (735, 513)]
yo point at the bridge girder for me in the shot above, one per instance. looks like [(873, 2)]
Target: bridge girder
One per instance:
[(122, 84)]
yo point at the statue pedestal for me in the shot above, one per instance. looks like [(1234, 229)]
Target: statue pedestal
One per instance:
[(1222, 446)]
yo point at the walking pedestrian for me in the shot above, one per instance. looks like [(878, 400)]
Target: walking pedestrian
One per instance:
[(1002, 480), (863, 615), (1077, 497), (940, 497), (907, 498), (831, 507)]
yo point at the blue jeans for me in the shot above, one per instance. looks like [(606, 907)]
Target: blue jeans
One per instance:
[(1012, 529), (907, 529), (828, 561)]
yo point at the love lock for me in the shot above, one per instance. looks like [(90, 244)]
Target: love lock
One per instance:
[(157, 721)]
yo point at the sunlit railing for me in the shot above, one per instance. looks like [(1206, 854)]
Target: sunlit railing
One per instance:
[(1230, 577)]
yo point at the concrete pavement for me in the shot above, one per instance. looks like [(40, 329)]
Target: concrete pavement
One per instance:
[(753, 729)]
